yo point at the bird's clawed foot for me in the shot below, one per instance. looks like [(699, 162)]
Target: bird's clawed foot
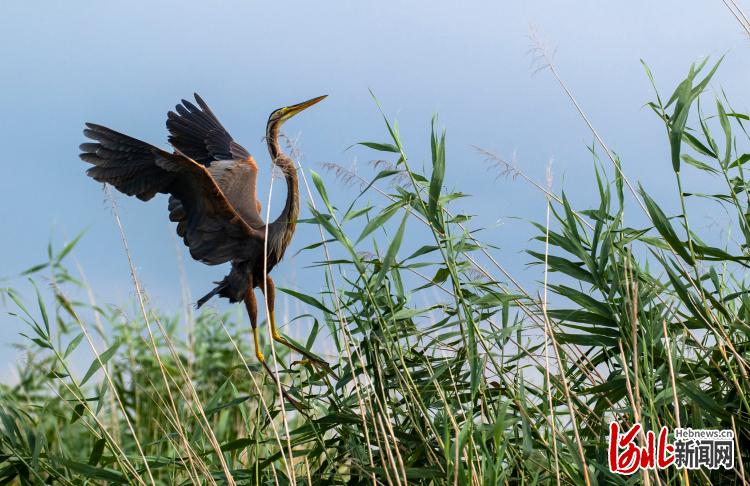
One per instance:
[(314, 360)]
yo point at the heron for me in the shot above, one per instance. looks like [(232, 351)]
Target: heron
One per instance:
[(211, 182)]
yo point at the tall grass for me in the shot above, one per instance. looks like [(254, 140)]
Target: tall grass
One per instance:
[(449, 371)]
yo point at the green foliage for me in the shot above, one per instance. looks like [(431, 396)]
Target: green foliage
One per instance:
[(445, 373)]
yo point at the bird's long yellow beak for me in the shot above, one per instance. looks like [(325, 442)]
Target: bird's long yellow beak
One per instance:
[(290, 111)]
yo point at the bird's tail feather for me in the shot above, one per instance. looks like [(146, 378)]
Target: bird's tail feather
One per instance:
[(207, 297)]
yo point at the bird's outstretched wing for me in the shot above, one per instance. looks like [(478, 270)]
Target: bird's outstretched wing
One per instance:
[(196, 132), (210, 225)]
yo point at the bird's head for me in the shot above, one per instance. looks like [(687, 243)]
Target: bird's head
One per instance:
[(278, 117)]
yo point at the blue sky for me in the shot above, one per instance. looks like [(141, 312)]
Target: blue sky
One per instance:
[(126, 64)]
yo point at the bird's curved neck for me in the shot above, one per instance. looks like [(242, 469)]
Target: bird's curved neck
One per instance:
[(287, 220), (272, 139)]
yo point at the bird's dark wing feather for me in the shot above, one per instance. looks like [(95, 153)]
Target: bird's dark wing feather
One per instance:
[(125, 162), (196, 132), (210, 225)]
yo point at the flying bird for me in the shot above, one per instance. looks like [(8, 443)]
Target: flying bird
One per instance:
[(211, 181)]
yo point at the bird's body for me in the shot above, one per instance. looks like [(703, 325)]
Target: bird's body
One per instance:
[(211, 180)]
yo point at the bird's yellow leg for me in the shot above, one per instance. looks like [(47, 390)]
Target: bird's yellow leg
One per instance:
[(258, 352), (270, 293), (274, 330), (252, 311)]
